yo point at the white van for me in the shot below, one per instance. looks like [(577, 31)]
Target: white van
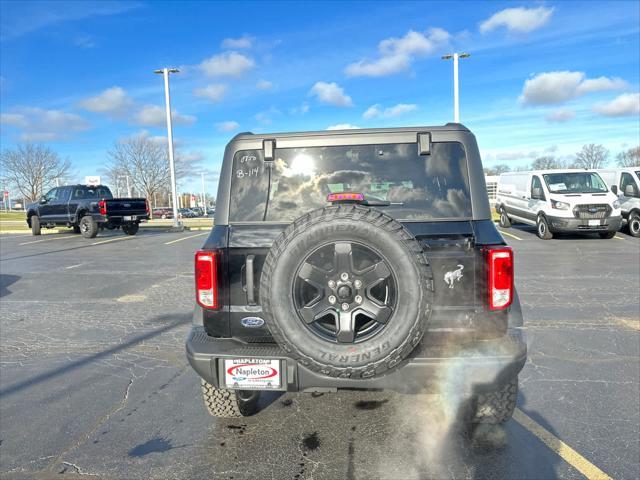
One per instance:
[(575, 201), (625, 182)]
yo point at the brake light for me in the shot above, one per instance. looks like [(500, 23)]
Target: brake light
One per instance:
[(102, 207), (206, 272), (146, 203), (499, 277), (356, 197)]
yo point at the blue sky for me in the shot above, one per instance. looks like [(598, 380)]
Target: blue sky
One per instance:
[(543, 77)]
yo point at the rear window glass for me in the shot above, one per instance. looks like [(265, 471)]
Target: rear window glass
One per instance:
[(417, 187)]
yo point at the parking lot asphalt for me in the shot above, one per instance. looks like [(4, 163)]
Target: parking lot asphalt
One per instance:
[(94, 380)]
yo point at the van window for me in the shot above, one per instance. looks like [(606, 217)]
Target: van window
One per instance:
[(536, 183), (417, 187), (626, 179), (574, 182)]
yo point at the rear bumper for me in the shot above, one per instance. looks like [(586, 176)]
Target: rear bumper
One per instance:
[(481, 366), (561, 224)]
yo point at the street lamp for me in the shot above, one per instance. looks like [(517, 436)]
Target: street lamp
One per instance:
[(204, 196), (456, 102), (165, 73)]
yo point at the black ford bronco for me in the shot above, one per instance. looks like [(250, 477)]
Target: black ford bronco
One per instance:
[(356, 259)]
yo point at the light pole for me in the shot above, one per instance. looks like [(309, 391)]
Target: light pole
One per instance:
[(204, 196), (165, 73), (456, 101), (128, 186)]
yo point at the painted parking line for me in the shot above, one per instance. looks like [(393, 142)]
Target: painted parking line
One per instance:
[(73, 266), (563, 450), (113, 240), (618, 238), (186, 238), (48, 239), (510, 235)]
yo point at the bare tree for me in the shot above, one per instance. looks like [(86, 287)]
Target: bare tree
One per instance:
[(547, 162), (33, 168), (629, 158), (144, 160), (591, 156), (497, 170)]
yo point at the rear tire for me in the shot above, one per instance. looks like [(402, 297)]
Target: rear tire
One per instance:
[(88, 227), (130, 229), (542, 228), (226, 403), (497, 407), (505, 221), (634, 224), (607, 235), (35, 225)]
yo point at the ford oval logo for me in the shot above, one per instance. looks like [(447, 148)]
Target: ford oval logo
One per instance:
[(252, 322)]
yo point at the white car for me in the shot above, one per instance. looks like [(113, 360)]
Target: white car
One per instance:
[(625, 182), (572, 201)]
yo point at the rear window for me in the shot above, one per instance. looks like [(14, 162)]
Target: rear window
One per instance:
[(417, 187)]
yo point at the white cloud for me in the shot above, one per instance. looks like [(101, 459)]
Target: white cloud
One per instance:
[(342, 126), (559, 116), (84, 41), (300, 110), (227, 126), (557, 87), (397, 54), (155, 116), (231, 64), (244, 41), (520, 19), (214, 92), (41, 125), (112, 101), (390, 112), (331, 93), (264, 85), (265, 117), (625, 104)]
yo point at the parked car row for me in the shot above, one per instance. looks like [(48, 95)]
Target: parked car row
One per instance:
[(572, 201), (195, 212)]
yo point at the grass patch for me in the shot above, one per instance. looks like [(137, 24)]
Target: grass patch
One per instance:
[(13, 215)]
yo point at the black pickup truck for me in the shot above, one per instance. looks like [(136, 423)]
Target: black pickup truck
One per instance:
[(356, 259), (87, 209)]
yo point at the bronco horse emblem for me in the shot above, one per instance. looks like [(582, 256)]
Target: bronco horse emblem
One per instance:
[(453, 276)]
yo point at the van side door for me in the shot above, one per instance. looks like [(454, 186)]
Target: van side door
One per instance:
[(627, 182)]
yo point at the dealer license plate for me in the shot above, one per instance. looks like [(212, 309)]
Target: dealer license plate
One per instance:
[(594, 223), (252, 373), (128, 218)]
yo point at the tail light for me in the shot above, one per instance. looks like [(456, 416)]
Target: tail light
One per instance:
[(146, 203), (499, 277), (102, 207), (206, 271)]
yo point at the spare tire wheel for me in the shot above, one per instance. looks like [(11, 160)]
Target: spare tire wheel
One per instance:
[(347, 291)]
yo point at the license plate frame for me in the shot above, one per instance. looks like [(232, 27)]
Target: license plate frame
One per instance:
[(594, 223), (130, 218), (252, 373)]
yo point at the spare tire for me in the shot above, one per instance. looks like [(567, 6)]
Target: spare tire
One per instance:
[(347, 291)]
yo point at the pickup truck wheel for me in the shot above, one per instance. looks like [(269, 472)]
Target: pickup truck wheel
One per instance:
[(347, 291), (607, 235), (634, 224), (226, 403), (542, 228), (131, 228), (88, 227), (505, 222), (35, 225), (498, 406)]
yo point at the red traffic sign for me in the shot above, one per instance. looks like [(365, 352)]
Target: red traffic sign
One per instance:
[(6, 194)]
